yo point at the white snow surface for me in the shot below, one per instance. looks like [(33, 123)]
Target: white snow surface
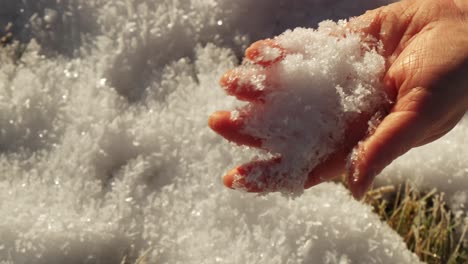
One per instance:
[(106, 153)]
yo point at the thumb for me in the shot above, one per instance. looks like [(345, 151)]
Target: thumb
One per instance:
[(395, 135)]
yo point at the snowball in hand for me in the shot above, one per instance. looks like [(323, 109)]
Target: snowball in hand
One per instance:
[(305, 89)]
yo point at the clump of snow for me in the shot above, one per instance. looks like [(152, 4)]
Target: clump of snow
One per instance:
[(105, 151), (321, 85), (270, 53)]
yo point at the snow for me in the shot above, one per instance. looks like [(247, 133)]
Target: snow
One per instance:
[(321, 84), (105, 150)]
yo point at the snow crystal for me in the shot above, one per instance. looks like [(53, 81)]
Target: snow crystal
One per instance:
[(322, 84)]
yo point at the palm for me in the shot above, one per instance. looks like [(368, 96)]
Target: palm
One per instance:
[(425, 46)]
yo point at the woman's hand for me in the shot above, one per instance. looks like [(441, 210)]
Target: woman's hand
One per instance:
[(426, 47), (425, 44)]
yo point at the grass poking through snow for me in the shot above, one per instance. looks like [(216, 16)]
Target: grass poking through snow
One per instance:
[(142, 259), (423, 220)]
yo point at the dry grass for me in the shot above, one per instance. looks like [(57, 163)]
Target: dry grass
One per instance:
[(423, 220), (6, 36), (142, 259)]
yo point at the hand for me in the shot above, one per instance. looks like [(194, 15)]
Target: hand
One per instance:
[(426, 48)]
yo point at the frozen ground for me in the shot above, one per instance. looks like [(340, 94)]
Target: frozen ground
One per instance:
[(105, 151)]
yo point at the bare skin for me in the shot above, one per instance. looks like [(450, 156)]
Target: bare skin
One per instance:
[(426, 50)]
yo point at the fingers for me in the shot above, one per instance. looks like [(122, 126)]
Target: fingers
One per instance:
[(331, 168), (260, 176), (244, 84), (388, 24), (249, 82), (335, 164), (397, 134), (256, 176), (230, 127), (265, 52)]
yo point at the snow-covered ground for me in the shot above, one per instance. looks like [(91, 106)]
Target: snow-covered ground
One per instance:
[(106, 153)]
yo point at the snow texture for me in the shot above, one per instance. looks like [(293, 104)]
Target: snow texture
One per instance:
[(105, 151), (322, 83)]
